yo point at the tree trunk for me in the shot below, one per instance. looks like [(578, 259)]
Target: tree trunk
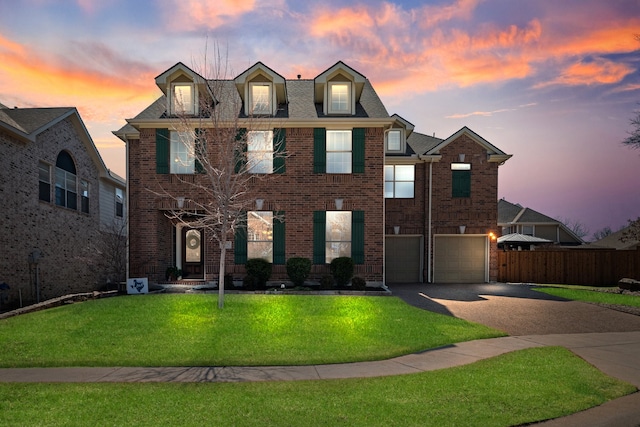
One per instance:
[(223, 253)]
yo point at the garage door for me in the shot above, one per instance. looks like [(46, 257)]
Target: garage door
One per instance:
[(403, 259), (460, 259)]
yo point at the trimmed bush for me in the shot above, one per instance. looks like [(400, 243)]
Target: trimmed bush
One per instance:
[(298, 270), (358, 284), (260, 269), (342, 270), (249, 283), (327, 282)]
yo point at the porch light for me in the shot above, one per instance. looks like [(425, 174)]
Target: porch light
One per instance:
[(462, 228), (338, 204), (259, 204), (180, 201)]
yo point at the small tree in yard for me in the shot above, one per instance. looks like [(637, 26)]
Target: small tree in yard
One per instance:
[(632, 232), (218, 141)]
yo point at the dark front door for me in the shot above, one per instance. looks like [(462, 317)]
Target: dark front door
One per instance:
[(192, 254)]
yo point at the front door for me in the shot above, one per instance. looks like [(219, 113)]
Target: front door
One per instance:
[(192, 254)]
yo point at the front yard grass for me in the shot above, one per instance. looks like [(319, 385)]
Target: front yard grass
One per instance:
[(590, 294), (513, 389), (189, 330)]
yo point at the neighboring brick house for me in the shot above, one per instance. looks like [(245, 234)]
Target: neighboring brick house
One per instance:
[(58, 198), (351, 173)]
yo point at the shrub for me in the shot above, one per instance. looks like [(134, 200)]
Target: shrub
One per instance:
[(326, 282), (260, 269), (342, 270), (298, 270), (358, 284), (228, 281), (173, 273), (249, 283)]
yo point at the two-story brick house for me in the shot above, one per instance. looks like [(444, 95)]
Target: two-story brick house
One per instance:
[(59, 201), (354, 180)]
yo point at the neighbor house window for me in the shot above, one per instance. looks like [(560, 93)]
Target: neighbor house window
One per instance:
[(44, 182), (260, 98), (66, 181), (339, 153), (527, 230), (338, 235), (182, 158), (84, 196), (461, 179), (119, 202), (182, 98), (399, 181), (394, 140), (260, 152), (260, 235), (340, 98)]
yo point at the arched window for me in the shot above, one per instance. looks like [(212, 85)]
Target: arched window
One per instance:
[(66, 181)]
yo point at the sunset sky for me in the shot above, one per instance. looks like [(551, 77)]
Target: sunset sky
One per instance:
[(555, 83)]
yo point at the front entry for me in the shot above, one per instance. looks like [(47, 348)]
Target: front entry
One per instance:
[(192, 254)]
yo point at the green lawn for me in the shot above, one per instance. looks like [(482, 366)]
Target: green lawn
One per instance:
[(512, 389), (189, 330), (587, 294)]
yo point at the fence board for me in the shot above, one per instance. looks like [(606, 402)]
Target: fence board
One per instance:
[(590, 267)]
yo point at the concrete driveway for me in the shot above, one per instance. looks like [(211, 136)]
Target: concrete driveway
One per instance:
[(515, 309)]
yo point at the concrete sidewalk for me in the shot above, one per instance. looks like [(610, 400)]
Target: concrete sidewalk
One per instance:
[(615, 354)]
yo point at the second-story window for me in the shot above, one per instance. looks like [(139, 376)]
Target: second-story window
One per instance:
[(181, 156), (339, 153), (260, 152), (119, 202), (66, 181), (461, 179), (260, 102), (399, 181), (339, 98), (84, 196), (44, 182)]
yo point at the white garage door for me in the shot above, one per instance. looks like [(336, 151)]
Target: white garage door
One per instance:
[(460, 259), (403, 259)]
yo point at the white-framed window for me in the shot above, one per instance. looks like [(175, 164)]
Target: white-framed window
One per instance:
[(339, 151), (338, 235), (260, 235), (44, 182), (399, 181), (260, 151), (182, 98), (181, 154), (66, 181), (260, 98), (527, 230), (339, 98), (119, 202), (84, 196), (394, 139)]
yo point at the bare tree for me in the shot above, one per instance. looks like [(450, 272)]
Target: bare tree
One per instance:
[(633, 140), (602, 233), (107, 254), (632, 233), (229, 152), (577, 227)]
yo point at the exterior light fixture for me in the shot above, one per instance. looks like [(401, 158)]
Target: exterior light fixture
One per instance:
[(259, 204), (180, 201), (338, 204)]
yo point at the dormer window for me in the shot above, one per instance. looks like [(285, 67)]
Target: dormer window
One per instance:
[(339, 98), (394, 141), (182, 98), (260, 98)]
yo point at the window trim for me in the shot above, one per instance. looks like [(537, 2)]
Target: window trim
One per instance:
[(402, 142), (251, 241), (174, 102), (268, 155), (394, 181), (349, 103), (190, 152), (270, 101), (327, 151), (348, 233)]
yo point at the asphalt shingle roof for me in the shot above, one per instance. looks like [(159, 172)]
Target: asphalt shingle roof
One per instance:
[(29, 120)]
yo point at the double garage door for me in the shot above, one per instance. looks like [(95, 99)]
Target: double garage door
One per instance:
[(456, 259)]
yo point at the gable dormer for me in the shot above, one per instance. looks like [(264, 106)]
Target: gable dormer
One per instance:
[(395, 137), (339, 89), (183, 88), (261, 90)]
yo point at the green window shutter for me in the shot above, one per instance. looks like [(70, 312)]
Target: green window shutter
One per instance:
[(200, 149), (319, 236), (279, 238), (461, 183), (280, 147), (240, 244), (241, 155), (162, 151), (357, 147), (357, 237), (319, 150)]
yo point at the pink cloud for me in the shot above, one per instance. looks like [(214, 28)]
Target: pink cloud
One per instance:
[(599, 71), (185, 14)]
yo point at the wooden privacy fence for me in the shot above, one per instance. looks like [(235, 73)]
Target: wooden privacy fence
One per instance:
[(590, 267)]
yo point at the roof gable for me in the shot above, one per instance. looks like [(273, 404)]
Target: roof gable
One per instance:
[(493, 152), (178, 72)]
